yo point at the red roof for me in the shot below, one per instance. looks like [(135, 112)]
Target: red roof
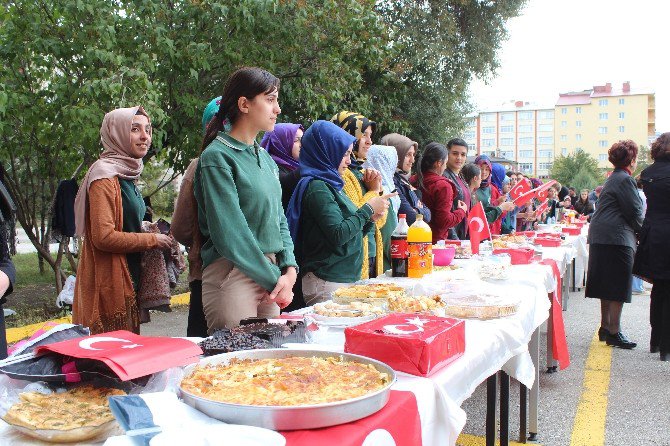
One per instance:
[(577, 98)]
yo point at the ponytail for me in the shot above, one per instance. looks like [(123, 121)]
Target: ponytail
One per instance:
[(433, 152)]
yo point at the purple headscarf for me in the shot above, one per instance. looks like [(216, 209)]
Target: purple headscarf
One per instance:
[(279, 144), (483, 159), (536, 182)]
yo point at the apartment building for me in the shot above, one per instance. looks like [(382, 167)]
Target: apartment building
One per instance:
[(518, 131), (592, 120)]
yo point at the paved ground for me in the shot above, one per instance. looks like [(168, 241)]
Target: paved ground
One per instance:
[(637, 405)]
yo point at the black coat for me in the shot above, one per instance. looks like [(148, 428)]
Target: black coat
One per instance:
[(618, 215), (583, 208), (409, 200), (6, 265), (652, 259), (289, 180)]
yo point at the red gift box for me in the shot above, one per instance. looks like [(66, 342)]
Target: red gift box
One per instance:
[(530, 234), (548, 242), (571, 231), (410, 343), (555, 235), (520, 256)]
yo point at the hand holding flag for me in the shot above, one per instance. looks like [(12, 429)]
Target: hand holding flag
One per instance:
[(519, 189)]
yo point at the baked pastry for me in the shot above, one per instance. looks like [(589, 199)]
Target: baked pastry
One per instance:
[(354, 309), (416, 304), (374, 290), (292, 381), (84, 406), (481, 306)]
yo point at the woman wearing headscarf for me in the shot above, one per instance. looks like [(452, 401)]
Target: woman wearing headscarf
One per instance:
[(108, 214), (384, 159), (362, 184), (327, 226), (410, 202), (489, 195), (438, 191), (283, 145)]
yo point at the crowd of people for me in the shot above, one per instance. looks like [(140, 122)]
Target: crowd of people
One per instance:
[(282, 223)]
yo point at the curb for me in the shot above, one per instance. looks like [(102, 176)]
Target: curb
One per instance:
[(18, 333)]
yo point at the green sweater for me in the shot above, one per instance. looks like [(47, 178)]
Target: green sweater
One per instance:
[(372, 244), (133, 212), (239, 210), (332, 230), (484, 195)]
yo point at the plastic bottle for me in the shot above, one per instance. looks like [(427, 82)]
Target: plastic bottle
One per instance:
[(420, 247), (399, 251)]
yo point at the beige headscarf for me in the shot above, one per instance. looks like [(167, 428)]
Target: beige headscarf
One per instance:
[(402, 145), (115, 160)]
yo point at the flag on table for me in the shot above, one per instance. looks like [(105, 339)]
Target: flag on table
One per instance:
[(478, 227), (519, 189)]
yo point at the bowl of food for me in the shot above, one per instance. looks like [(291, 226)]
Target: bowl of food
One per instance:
[(443, 255)]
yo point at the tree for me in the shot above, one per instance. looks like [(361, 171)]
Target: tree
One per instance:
[(643, 159), (578, 168)]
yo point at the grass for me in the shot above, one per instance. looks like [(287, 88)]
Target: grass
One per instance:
[(34, 296)]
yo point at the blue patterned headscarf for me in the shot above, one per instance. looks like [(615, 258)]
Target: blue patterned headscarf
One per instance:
[(323, 146), (498, 175)]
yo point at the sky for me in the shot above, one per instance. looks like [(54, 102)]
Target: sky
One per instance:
[(556, 46)]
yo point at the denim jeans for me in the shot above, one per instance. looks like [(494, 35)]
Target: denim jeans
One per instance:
[(637, 284)]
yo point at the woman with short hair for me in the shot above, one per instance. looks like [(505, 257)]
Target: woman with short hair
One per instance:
[(612, 240), (583, 205), (652, 261)]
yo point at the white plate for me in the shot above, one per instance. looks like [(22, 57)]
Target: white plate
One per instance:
[(214, 435)]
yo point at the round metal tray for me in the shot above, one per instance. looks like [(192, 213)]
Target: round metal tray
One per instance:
[(291, 417)]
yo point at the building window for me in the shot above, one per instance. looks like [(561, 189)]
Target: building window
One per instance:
[(545, 128), (602, 157), (602, 116), (578, 110), (488, 117), (602, 143), (603, 102), (507, 116), (525, 116), (525, 153), (526, 141), (564, 123), (546, 154), (564, 151), (488, 142), (507, 129), (622, 129), (489, 129), (526, 167), (507, 154), (564, 137), (578, 137), (506, 141), (546, 114), (525, 128), (602, 130), (469, 135), (622, 115), (622, 101), (578, 150), (545, 140), (578, 123), (472, 147), (545, 166), (564, 110)]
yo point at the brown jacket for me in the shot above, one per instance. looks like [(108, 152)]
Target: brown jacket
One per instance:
[(104, 299), (184, 226)]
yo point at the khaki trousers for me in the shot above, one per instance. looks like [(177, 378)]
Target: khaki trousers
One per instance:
[(229, 295), (315, 290)]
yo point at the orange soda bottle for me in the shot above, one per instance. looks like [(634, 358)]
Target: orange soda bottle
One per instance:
[(420, 247)]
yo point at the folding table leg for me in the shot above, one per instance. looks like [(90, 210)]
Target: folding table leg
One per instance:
[(523, 413), (534, 350), (504, 408), (491, 397), (574, 275)]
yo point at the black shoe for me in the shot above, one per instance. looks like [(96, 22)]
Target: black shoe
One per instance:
[(665, 356), (654, 348), (620, 340), (602, 334)]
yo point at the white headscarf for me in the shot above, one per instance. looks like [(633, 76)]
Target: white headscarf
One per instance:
[(385, 160)]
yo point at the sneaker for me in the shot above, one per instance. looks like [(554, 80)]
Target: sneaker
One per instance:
[(642, 292)]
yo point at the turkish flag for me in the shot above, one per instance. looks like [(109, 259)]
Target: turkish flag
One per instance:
[(129, 355), (542, 192), (397, 424), (543, 207), (519, 189), (478, 227), (558, 338)]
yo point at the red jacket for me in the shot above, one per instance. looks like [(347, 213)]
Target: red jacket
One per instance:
[(496, 226), (438, 194)]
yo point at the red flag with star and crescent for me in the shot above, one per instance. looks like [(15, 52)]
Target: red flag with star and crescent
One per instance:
[(542, 192), (541, 208), (519, 192), (478, 227)]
